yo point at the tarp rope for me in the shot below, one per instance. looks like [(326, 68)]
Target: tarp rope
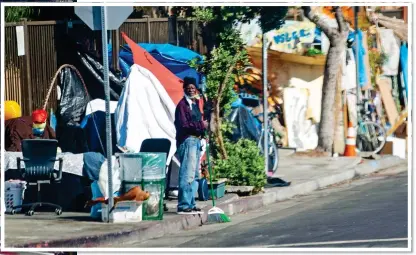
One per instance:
[(51, 86)]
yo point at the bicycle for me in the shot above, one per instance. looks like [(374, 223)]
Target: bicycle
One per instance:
[(371, 136), (273, 152), (272, 147)]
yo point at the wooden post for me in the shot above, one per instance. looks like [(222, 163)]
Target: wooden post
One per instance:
[(28, 71), (405, 14), (115, 41), (148, 31)]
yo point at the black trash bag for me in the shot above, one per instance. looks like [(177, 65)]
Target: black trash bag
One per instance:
[(88, 64), (96, 70), (245, 124), (74, 99)]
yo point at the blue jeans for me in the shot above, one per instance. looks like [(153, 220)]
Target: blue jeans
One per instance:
[(189, 155)]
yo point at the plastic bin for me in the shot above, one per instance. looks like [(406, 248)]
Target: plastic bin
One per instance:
[(219, 190), (153, 165), (153, 207), (130, 170), (14, 195), (147, 170), (124, 211), (134, 167)]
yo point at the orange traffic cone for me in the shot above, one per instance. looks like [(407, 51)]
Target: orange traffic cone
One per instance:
[(350, 143)]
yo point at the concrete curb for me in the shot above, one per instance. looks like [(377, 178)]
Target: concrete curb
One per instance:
[(149, 230)]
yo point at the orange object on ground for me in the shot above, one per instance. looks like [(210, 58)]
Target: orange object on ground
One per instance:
[(351, 141), (12, 110), (134, 194)]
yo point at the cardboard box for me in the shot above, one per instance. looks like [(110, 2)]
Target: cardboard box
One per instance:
[(387, 149), (124, 212)]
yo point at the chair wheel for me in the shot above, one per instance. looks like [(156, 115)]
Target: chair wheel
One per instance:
[(58, 211), (13, 212), (30, 213)]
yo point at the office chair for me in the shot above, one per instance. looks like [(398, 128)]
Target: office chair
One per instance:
[(39, 156)]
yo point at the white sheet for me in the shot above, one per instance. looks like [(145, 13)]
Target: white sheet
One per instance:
[(349, 71), (390, 44), (144, 111), (302, 133), (315, 96), (99, 105)]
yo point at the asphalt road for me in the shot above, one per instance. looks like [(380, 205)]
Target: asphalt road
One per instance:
[(368, 212)]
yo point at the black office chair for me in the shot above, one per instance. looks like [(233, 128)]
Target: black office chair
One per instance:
[(159, 145), (39, 156)]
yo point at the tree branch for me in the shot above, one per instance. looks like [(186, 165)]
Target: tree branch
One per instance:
[(342, 24), (329, 31), (217, 117)]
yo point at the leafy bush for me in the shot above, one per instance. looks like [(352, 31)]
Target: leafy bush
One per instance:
[(244, 165)]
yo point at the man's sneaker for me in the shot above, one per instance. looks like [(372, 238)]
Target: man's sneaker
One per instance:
[(197, 210), (186, 211)]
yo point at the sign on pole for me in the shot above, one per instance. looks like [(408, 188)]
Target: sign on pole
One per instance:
[(105, 18), (92, 16)]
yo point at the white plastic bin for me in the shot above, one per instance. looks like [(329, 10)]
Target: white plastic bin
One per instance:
[(125, 211), (14, 194)]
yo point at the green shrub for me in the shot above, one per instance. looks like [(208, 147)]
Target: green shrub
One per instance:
[(244, 165)]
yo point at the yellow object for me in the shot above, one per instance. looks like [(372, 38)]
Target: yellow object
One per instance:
[(12, 110), (256, 76), (256, 71), (241, 81)]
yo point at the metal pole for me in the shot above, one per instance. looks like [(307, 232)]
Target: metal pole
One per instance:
[(357, 65), (265, 107), (107, 107)]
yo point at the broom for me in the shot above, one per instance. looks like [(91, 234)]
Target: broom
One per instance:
[(215, 214)]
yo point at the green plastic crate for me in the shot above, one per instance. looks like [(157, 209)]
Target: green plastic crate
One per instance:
[(219, 190), (153, 210)]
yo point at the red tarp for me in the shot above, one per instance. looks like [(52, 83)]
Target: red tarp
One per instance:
[(170, 81)]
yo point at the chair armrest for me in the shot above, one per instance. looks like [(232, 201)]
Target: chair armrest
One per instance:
[(19, 163), (19, 160), (61, 161)]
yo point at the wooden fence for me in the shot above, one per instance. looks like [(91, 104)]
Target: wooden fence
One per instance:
[(42, 50)]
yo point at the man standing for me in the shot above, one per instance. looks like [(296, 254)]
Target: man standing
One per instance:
[(189, 130)]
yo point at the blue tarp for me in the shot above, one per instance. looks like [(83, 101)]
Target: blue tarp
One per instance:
[(361, 53), (95, 131), (403, 65), (172, 57)]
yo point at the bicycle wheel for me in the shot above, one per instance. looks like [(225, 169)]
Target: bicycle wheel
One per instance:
[(371, 137), (272, 153)]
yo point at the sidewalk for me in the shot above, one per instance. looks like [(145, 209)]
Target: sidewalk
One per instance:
[(77, 230)]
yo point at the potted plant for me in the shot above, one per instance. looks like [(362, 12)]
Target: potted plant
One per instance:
[(244, 165)]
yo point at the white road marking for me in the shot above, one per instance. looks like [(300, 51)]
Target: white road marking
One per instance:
[(336, 242)]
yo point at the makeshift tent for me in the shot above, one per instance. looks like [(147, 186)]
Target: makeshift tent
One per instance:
[(174, 58), (171, 83), (94, 127), (245, 124), (144, 110)]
